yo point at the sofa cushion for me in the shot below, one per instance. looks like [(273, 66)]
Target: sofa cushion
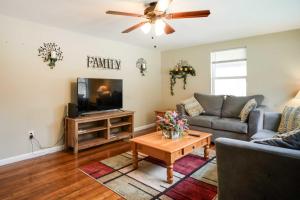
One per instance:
[(272, 121), (233, 105), (230, 124), (212, 104), (263, 134), (202, 120)]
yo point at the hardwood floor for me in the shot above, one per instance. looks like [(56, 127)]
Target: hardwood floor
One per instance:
[(56, 176)]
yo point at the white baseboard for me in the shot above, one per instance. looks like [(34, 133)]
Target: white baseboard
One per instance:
[(34, 154), (43, 152), (144, 127)]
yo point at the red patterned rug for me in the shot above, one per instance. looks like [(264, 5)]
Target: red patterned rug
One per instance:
[(195, 178)]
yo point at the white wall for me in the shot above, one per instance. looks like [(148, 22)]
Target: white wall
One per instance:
[(273, 68), (33, 97)]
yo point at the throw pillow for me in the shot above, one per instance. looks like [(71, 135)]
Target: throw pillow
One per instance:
[(290, 119), (249, 106), (192, 107), (286, 140), (233, 105)]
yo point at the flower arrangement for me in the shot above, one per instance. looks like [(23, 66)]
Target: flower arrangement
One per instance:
[(172, 124)]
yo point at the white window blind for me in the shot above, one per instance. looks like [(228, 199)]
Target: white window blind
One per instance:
[(229, 72)]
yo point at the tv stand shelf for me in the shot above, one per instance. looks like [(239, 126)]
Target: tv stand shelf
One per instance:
[(96, 129), (90, 130)]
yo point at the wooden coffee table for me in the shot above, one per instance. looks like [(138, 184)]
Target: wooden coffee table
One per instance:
[(168, 150)]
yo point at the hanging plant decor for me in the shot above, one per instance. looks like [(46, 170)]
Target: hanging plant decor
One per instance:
[(50, 52), (181, 71)]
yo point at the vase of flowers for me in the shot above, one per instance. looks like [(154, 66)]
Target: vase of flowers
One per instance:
[(172, 125)]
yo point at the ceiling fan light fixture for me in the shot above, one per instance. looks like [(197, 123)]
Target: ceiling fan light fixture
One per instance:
[(146, 28), (156, 13), (159, 27)]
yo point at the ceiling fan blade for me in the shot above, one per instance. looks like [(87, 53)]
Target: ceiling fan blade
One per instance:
[(134, 27), (168, 29), (162, 5), (123, 13), (192, 14)]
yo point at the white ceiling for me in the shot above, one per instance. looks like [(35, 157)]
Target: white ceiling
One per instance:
[(229, 19)]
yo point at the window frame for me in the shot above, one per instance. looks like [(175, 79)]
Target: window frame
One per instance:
[(213, 69)]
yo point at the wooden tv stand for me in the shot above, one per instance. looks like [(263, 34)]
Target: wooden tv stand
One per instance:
[(96, 129)]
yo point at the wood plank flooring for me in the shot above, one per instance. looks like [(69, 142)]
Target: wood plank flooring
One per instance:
[(56, 176)]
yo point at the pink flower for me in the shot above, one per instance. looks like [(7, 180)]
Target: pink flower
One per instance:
[(174, 114), (180, 122)]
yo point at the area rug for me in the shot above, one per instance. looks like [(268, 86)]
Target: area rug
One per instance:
[(195, 178)]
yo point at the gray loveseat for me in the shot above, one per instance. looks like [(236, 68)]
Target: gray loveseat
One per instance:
[(221, 117), (251, 171)]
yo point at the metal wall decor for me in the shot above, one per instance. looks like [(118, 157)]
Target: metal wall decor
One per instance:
[(141, 64), (104, 63), (51, 53), (180, 71)]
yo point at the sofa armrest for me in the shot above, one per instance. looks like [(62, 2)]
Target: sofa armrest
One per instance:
[(252, 171), (256, 121), (181, 110)]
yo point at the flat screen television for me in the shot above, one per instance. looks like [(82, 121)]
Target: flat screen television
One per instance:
[(99, 94)]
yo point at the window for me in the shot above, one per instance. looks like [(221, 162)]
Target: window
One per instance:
[(229, 72), (83, 87)]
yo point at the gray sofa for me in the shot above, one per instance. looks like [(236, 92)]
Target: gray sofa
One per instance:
[(221, 117), (251, 171)]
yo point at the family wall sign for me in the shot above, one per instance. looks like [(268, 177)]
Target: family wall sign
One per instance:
[(104, 63)]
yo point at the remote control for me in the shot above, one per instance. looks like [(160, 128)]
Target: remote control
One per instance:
[(195, 134)]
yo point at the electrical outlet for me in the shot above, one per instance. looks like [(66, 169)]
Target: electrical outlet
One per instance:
[(31, 134)]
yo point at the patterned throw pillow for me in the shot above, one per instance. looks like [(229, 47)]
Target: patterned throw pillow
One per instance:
[(290, 119), (289, 140), (192, 107), (250, 105), (287, 134)]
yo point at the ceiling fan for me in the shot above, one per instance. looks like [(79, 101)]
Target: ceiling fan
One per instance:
[(156, 13)]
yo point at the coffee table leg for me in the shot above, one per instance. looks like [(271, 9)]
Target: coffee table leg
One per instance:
[(170, 173), (134, 156), (206, 151)]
